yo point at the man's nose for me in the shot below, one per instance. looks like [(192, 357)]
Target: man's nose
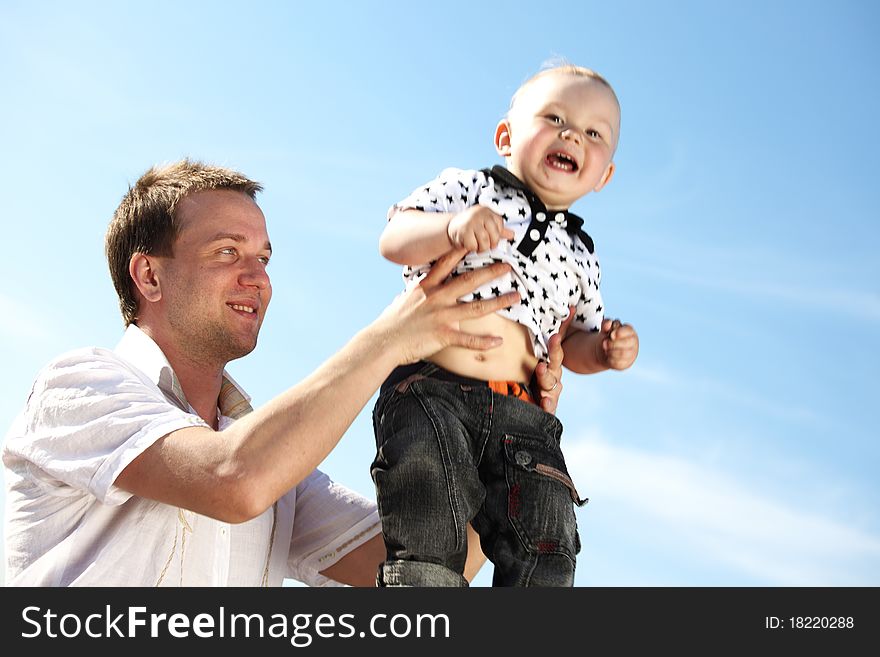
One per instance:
[(255, 275)]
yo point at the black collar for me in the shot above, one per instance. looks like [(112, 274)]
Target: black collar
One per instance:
[(573, 223)]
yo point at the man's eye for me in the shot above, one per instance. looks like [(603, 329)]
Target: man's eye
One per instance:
[(228, 251), (264, 260)]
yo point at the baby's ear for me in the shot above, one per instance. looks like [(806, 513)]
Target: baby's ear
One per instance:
[(606, 177), (502, 138)]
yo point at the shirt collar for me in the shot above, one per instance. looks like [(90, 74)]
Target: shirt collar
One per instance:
[(140, 350), (503, 175), (573, 223)]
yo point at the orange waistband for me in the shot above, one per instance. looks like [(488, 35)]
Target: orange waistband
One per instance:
[(512, 388)]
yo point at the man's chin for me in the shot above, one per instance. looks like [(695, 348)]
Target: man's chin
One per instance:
[(242, 349), (232, 346)]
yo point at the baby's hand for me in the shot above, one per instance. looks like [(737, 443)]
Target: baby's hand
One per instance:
[(620, 345), (477, 229)]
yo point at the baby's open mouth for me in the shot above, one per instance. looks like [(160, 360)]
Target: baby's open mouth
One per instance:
[(561, 161)]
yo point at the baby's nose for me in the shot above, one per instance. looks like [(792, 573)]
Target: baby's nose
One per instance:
[(569, 133)]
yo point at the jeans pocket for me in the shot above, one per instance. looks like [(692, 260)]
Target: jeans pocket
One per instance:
[(562, 477), (541, 495)]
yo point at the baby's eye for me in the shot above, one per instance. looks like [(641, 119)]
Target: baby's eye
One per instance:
[(594, 134), (555, 119)]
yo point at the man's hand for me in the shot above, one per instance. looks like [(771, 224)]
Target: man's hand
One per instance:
[(426, 318), (477, 229), (549, 375)]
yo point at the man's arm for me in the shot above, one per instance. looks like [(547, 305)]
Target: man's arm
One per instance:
[(359, 567), (236, 474)]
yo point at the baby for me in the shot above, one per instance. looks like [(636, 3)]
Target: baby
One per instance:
[(461, 437)]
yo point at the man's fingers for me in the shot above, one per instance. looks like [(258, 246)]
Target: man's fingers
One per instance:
[(568, 320), (443, 267), (545, 381), (470, 281), (555, 351), (471, 341), (486, 306), (550, 386), (550, 400)]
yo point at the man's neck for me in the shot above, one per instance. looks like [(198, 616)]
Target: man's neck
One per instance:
[(200, 381), (200, 384)]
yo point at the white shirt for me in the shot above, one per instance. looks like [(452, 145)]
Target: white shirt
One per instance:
[(89, 414)]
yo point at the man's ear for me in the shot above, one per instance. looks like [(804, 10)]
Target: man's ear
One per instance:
[(142, 270), (502, 138), (606, 177)]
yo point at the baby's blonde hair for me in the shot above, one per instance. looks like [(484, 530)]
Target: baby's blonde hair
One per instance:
[(562, 67)]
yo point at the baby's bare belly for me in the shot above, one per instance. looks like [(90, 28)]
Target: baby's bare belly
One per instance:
[(514, 360)]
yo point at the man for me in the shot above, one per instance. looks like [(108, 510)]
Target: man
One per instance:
[(146, 466)]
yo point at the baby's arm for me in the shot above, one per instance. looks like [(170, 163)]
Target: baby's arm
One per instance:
[(414, 237), (614, 347)]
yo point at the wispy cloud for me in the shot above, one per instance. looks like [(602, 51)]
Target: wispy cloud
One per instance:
[(731, 394), (860, 304), (717, 517)]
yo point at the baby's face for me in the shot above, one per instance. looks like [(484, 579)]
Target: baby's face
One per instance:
[(560, 137)]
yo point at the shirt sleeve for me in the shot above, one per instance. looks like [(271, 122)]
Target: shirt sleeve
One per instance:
[(589, 314), (330, 521), (453, 190), (88, 416), (589, 309)]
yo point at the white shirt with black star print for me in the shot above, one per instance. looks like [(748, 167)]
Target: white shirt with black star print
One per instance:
[(554, 266)]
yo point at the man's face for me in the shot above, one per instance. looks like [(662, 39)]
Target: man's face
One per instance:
[(560, 137), (216, 289)]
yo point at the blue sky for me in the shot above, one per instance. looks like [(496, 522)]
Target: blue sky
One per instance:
[(738, 235)]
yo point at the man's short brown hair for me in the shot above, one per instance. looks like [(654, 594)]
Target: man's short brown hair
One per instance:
[(145, 220)]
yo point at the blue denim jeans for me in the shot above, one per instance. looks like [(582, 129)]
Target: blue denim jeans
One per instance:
[(451, 451)]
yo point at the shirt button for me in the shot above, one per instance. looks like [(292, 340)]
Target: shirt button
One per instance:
[(560, 217), (541, 216), (535, 234), (522, 457)]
